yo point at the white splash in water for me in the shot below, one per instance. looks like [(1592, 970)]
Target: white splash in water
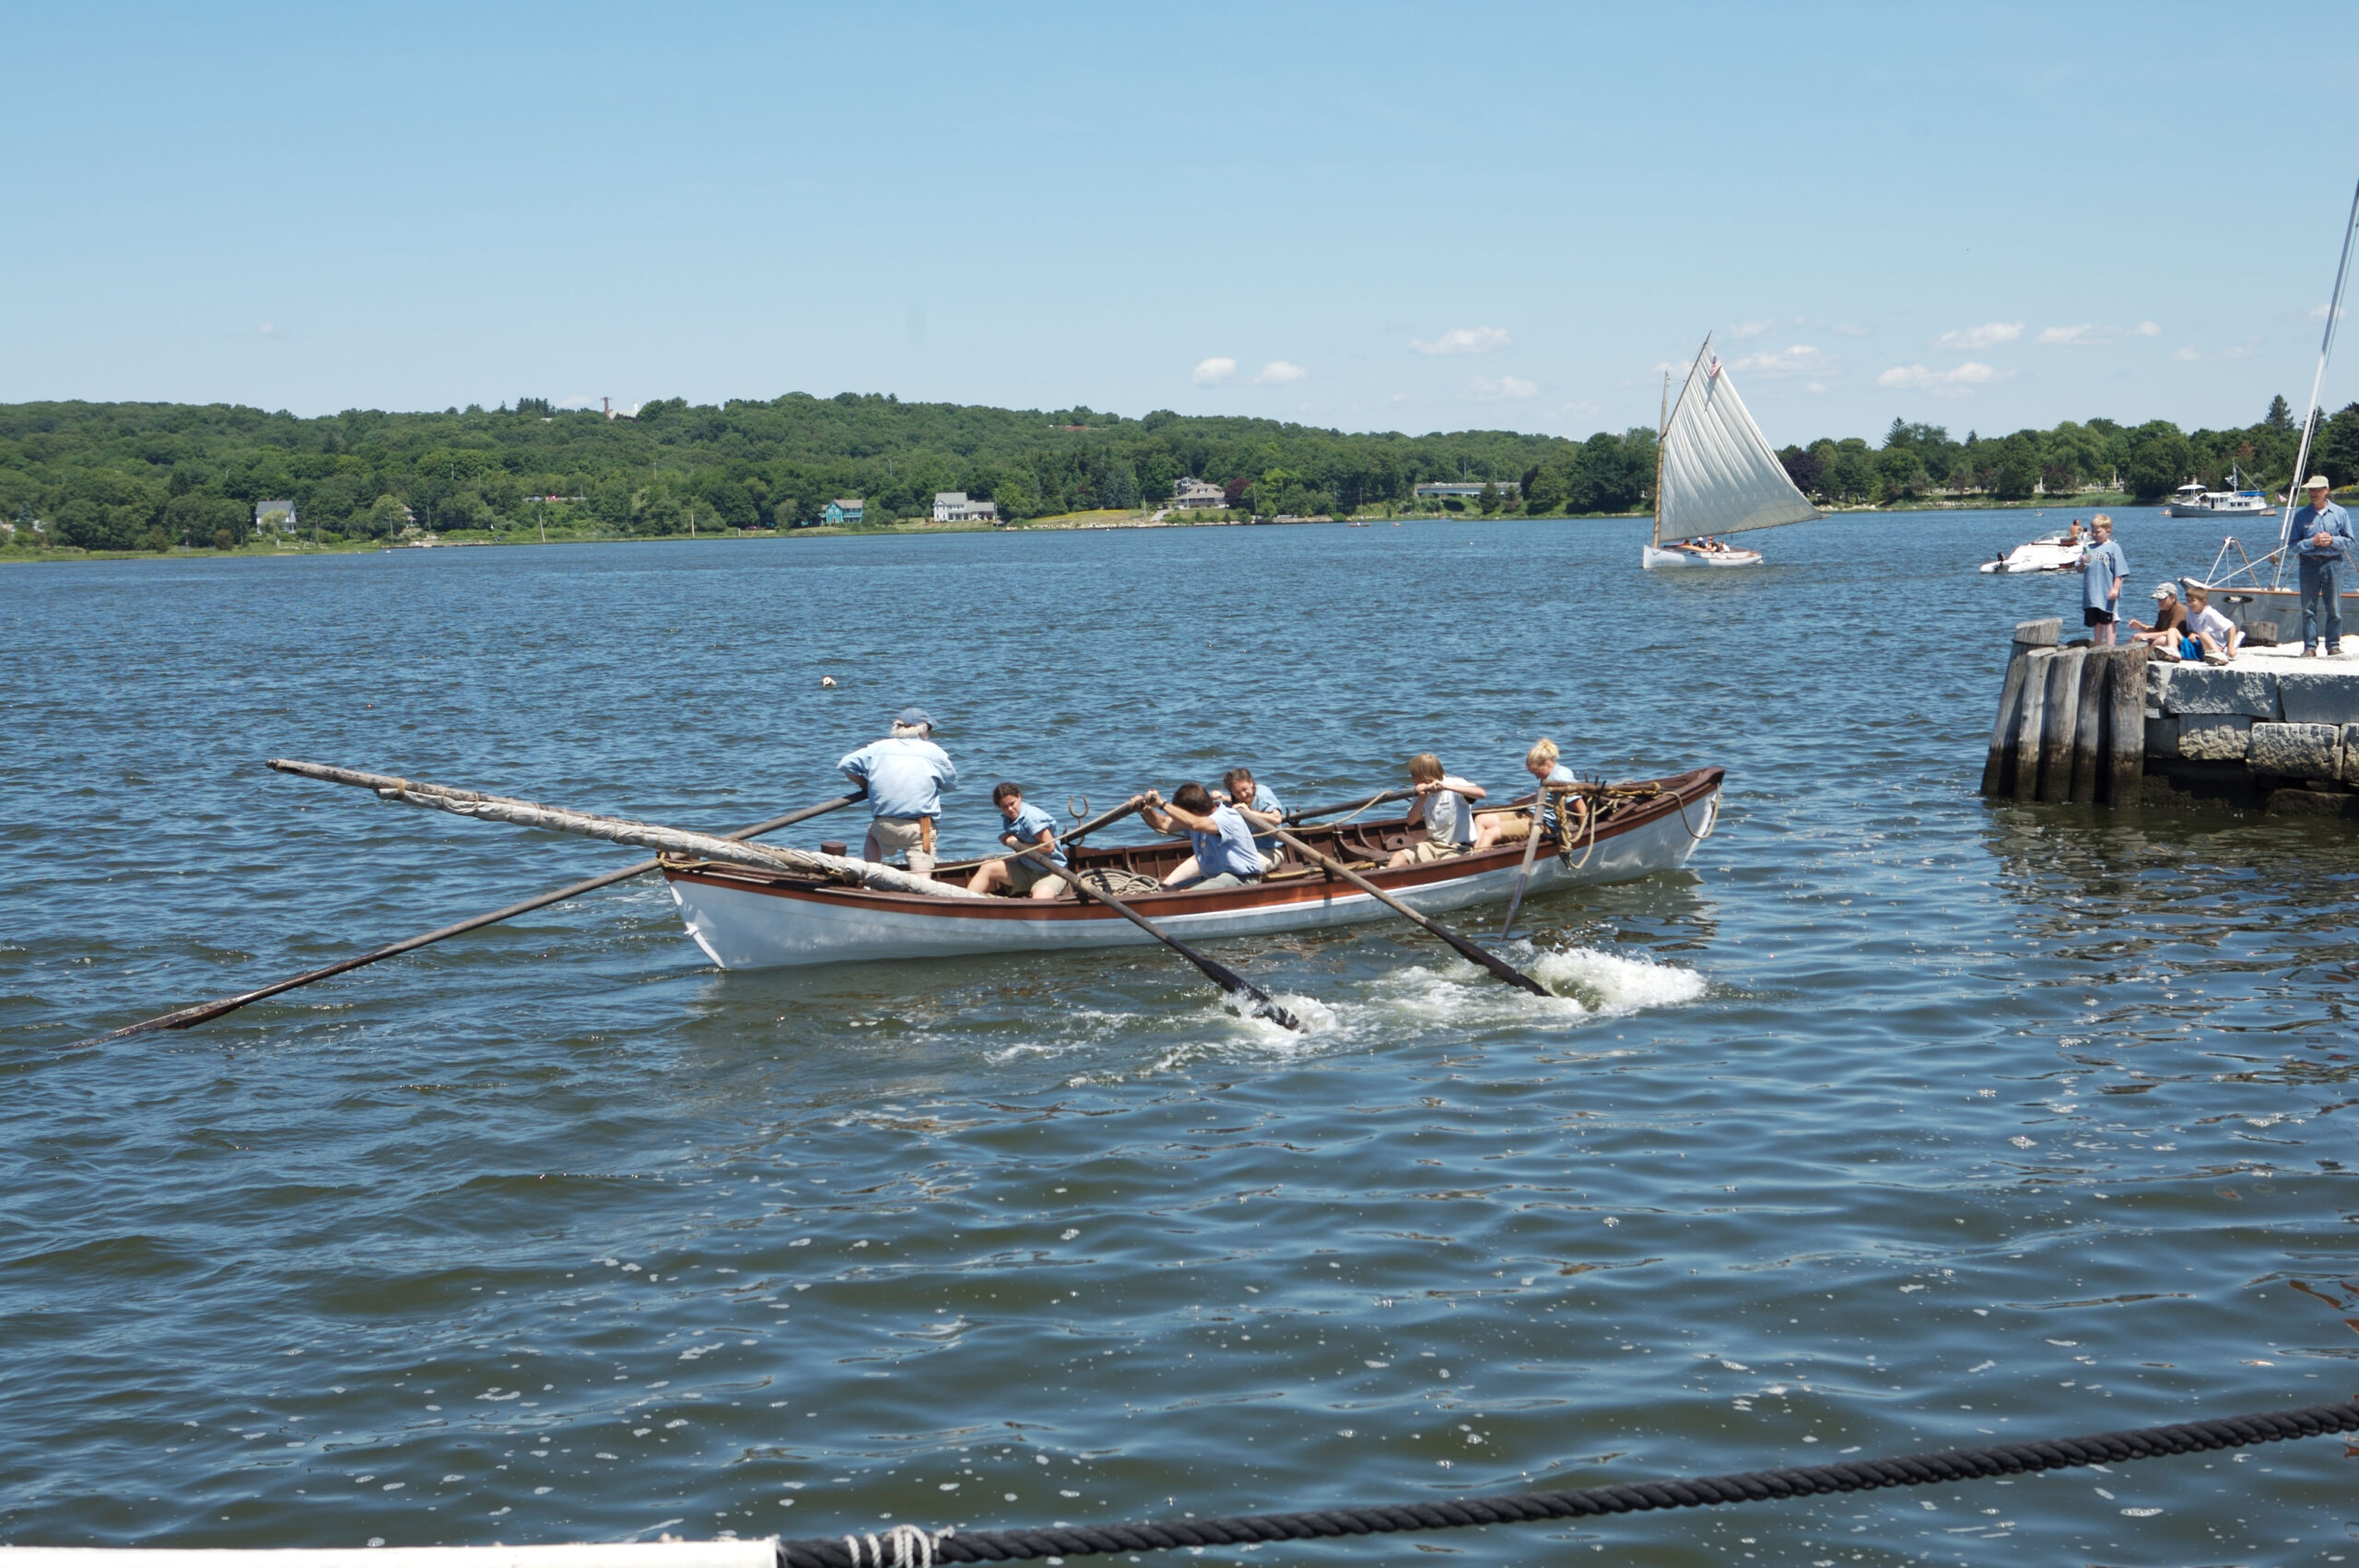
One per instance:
[(1613, 985)]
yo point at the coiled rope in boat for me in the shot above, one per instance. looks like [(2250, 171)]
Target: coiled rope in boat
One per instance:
[(910, 1546)]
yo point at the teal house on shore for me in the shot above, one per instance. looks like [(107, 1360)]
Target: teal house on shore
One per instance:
[(840, 512)]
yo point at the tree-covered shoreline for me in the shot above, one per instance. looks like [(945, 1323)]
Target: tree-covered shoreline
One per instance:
[(126, 477)]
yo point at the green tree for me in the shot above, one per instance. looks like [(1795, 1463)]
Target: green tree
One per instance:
[(1487, 502), (2159, 459), (1900, 473), (2337, 450), (105, 509), (2280, 413)]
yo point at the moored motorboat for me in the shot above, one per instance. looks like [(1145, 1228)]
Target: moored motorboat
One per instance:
[(2191, 499), (2052, 553), (751, 917)]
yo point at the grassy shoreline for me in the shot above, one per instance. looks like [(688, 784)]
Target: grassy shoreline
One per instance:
[(512, 538)]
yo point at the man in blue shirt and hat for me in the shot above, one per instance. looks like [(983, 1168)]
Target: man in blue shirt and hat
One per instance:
[(2317, 535), (905, 775)]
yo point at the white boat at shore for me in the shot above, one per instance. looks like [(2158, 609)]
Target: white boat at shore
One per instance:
[(753, 918), (2053, 553), (1714, 474), (2191, 499)]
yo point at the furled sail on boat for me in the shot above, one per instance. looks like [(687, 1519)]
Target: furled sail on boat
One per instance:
[(1716, 474)]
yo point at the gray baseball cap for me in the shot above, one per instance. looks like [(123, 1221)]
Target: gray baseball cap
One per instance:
[(915, 715)]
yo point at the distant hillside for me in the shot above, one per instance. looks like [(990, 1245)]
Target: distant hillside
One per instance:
[(142, 475)]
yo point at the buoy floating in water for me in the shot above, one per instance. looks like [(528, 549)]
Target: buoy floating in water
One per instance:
[(827, 683)]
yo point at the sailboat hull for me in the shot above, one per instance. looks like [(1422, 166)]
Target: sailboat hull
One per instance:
[(1653, 559)]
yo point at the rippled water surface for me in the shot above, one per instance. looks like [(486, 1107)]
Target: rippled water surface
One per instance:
[(1899, 1120)]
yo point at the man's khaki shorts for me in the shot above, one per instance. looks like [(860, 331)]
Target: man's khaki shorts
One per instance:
[(1514, 826), (1024, 875), (889, 836), (1429, 851)]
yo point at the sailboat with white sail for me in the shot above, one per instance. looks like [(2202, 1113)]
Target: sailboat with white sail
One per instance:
[(1714, 474)]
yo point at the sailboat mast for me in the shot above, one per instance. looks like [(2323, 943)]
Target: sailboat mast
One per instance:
[(1662, 428), (2318, 380)]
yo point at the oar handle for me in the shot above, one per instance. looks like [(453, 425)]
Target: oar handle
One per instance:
[(1219, 974), (1491, 961), (1376, 799)]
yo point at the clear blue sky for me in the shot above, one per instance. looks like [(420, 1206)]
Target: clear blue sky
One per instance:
[(1411, 217)]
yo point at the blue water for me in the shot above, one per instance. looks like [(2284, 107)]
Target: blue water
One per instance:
[(1899, 1120)]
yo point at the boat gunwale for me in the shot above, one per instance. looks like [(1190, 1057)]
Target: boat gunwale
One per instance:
[(1680, 793)]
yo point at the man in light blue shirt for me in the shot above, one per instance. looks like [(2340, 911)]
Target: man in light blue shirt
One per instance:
[(2103, 565), (1223, 841), (1028, 827), (2317, 535), (906, 776)]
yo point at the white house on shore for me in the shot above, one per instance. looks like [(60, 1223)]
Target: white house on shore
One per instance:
[(279, 515), (1195, 494), (1470, 489), (952, 506)]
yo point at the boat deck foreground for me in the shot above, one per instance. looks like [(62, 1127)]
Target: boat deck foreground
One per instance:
[(750, 918)]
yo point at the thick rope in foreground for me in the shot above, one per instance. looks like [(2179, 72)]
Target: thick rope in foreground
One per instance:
[(1703, 1492)]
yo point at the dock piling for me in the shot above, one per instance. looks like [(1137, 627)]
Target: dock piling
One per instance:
[(2062, 718)]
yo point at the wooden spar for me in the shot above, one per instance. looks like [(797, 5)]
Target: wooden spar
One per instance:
[(1379, 798), (2088, 729), (2125, 734), (1530, 848), (189, 1017), (2028, 726), (2056, 734), (1219, 974), (621, 830), (1495, 965)]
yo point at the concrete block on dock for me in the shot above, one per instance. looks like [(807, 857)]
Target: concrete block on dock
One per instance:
[(2213, 737), (2212, 688), (2295, 750), (2318, 696)]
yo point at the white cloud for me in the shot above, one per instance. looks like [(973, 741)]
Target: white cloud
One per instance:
[(1971, 373), (1848, 329), (1505, 386), (1800, 356), (2082, 336), (1463, 340), (1214, 372), (1744, 330), (2147, 329), (1278, 372), (2318, 313), (1989, 334), (2190, 355)]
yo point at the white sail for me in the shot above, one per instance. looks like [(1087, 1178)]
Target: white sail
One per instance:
[(1719, 474)]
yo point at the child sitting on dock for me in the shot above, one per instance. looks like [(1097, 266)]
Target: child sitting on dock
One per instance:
[(2210, 635), (1445, 804), (2170, 621), (1028, 827)]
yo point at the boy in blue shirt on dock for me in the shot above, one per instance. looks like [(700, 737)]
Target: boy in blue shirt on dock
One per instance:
[(2103, 565)]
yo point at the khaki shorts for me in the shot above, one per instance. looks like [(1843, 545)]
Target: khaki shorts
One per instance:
[(1514, 826), (1430, 851), (1024, 875), (888, 836)]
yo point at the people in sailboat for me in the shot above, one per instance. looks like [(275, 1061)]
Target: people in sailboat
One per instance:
[(1258, 806), (1223, 841), (1513, 828), (2103, 565), (2170, 621), (1445, 804), (1028, 827), (905, 775), (2210, 635), (2317, 535)]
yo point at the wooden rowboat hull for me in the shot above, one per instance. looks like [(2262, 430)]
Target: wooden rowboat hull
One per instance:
[(747, 918)]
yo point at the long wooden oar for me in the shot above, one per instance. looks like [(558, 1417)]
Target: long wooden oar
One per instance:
[(1376, 799), (188, 1017), (1495, 965), (1219, 974), (1530, 848)]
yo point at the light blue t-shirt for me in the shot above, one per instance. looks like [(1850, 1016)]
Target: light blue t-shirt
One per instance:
[(1559, 774), (2308, 522), (1029, 823), (1266, 803), (1231, 849), (2102, 565), (906, 777)]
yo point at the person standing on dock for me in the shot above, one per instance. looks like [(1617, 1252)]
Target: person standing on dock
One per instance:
[(2317, 535), (2103, 565), (906, 774)]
